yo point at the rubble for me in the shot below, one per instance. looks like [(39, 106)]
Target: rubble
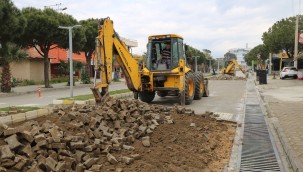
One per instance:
[(84, 137), (225, 77)]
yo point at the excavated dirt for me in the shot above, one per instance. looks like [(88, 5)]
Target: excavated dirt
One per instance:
[(121, 135), (226, 77), (180, 147)]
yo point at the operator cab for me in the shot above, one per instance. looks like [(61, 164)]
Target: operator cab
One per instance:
[(164, 52)]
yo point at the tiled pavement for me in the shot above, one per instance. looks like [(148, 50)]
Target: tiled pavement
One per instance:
[(283, 100)]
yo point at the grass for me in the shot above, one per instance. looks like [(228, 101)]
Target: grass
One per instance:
[(19, 108), (91, 96)]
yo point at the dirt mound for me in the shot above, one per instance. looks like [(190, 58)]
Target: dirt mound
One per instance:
[(226, 77), (120, 135)]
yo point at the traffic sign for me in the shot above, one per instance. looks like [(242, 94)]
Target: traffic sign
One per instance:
[(283, 55)]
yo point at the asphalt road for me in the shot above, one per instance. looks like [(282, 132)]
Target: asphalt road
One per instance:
[(226, 96)]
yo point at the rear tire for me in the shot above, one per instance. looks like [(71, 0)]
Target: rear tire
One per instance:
[(162, 93), (146, 96), (189, 88), (199, 85)]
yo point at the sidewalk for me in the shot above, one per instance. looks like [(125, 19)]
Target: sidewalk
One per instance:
[(34, 88), (283, 100)]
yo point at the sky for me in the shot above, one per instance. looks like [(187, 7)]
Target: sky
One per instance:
[(216, 25)]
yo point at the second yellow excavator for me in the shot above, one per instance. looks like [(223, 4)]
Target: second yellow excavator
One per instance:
[(229, 67), (166, 75)]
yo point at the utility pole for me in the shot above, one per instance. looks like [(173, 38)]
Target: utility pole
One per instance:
[(296, 42), (71, 71)]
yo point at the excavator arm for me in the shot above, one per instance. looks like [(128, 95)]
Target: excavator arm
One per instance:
[(230, 67), (237, 64), (109, 45)]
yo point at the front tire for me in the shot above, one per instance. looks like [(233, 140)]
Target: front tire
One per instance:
[(189, 88), (146, 96)]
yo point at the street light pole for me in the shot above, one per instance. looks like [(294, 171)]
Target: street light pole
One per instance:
[(296, 42), (70, 38)]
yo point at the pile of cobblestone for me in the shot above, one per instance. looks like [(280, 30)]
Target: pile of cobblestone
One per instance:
[(226, 77), (79, 138)]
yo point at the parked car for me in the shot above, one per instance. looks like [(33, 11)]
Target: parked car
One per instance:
[(289, 72)]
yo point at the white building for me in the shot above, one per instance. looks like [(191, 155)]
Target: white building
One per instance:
[(240, 53)]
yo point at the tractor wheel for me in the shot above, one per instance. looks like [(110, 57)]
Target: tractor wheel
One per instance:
[(206, 90), (189, 88), (199, 85), (162, 93), (147, 96)]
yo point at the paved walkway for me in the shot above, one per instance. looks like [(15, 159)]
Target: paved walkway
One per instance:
[(283, 100)]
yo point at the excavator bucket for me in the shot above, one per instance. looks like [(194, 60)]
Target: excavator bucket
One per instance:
[(97, 95)]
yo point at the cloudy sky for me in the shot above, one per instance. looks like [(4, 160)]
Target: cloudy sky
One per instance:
[(217, 25)]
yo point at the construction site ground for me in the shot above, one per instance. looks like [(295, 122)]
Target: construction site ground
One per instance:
[(190, 143)]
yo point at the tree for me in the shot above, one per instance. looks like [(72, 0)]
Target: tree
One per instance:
[(259, 54), (9, 52), (12, 22), (191, 52), (12, 25), (43, 34), (229, 56), (90, 27), (281, 36)]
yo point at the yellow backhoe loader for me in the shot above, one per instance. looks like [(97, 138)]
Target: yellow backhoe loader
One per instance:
[(165, 76), (229, 67)]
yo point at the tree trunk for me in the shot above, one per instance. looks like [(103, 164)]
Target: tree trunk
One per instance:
[(6, 83), (88, 66), (46, 71), (88, 57)]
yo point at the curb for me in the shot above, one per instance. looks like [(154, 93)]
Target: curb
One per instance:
[(90, 101), (20, 117), (30, 115)]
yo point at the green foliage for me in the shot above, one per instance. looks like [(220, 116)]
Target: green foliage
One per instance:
[(229, 56), (77, 65), (59, 79), (12, 22), (9, 52), (260, 51), (91, 96), (63, 67), (19, 108), (191, 52), (90, 27), (281, 36), (85, 78), (43, 34)]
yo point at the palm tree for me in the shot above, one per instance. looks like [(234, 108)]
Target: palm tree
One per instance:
[(8, 53)]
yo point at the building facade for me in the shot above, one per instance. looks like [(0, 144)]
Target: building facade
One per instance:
[(240, 54)]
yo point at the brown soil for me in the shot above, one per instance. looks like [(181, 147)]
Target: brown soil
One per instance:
[(180, 147), (206, 146)]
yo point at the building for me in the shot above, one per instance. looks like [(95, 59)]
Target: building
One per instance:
[(240, 54), (33, 67)]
